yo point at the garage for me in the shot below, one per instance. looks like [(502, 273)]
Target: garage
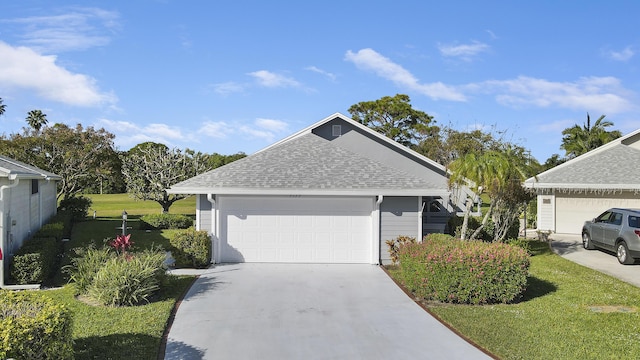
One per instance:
[(296, 229)]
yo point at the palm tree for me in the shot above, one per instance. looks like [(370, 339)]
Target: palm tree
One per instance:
[(36, 119), (578, 140), (3, 107), (492, 172)]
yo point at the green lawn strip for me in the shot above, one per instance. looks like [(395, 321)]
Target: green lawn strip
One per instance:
[(120, 332), (112, 205), (563, 315)]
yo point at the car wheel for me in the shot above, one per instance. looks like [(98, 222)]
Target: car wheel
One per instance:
[(622, 252), (586, 242)]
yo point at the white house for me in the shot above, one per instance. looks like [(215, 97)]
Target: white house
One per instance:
[(331, 193), (582, 188), (27, 201)]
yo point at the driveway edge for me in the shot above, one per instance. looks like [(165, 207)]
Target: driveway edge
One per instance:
[(165, 335), (455, 331)]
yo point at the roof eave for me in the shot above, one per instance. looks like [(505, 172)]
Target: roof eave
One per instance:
[(311, 192)]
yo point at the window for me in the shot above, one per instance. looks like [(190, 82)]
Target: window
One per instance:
[(34, 186), (336, 130), (616, 219)]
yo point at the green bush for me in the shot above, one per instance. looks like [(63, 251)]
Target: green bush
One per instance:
[(469, 272), (191, 248), (487, 232), (128, 280), (36, 261), (165, 221), (85, 266), (33, 327), (395, 244), (52, 229), (77, 207)]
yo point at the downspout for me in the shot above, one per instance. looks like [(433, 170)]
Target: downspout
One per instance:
[(214, 229), (420, 218), (14, 181), (376, 230)]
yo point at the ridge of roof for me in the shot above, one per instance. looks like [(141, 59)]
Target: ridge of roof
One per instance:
[(619, 141), (363, 128), (304, 164)]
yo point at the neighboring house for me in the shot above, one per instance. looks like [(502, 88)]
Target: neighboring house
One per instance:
[(331, 193), (584, 187), (27, 201)]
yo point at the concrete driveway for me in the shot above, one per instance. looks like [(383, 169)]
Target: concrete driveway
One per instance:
[(302, 311), (570, 247)]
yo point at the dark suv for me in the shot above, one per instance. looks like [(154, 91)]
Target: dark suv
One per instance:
[(617, 230)]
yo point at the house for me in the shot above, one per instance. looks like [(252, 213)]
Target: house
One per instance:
[(582, 188), (27, 201), (333, 192)]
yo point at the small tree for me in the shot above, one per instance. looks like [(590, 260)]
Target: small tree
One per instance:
[(151, 168)]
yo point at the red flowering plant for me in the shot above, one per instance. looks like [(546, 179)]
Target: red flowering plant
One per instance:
[(122, 243)]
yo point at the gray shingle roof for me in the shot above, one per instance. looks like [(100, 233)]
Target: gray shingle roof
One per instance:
[(10, 166), (308, 162), (612, 166)]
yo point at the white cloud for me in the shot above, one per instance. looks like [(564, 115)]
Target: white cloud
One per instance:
[(269, 79), (227, 88), (623, 55), (129, 134), (596, 94), (329, 75), (370, 60), (79, 29), (216, 129), (24, 68), (464, 51), (272, 125)]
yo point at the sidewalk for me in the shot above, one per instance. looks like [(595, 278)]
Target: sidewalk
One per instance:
[(570, 247)]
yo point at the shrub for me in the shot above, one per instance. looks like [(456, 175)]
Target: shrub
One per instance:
[(34, 327), (165, 221), (85, 266), (36, 261), (471, 272), (128, 280), (395, 244), (191, 248), (77, 207), (52, 229)]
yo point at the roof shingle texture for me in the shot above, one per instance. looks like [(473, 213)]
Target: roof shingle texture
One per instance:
[(619, 164), (17, 167), (307, 162)]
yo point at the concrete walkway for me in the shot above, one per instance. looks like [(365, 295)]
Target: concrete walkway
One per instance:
[(302, 311), (570, 247)]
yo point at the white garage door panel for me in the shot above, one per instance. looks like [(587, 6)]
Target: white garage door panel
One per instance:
[(306, 230), (572, 212)]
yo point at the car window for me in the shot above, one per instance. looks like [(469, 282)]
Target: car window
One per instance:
[(634, 221), (604, 217), (616, 219)]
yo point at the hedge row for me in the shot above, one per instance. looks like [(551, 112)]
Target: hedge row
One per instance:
[(34, 327), (191, 248), (470, 272), (165, 221)]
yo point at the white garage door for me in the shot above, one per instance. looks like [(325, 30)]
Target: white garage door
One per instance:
[(296, 229), (572, 212)]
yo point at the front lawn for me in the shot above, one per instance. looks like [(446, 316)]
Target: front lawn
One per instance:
[(568, 312), (120, 332)]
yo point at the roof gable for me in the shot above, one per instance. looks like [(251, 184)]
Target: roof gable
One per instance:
[(611, 166), (309, 163), (12, 169)]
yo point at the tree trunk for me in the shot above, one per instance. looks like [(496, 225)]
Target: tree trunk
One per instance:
[(485, 220), (465, 222)]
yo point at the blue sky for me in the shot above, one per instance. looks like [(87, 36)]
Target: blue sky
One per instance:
[(239, 75)]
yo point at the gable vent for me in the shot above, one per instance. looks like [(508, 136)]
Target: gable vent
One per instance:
[(336, 130)]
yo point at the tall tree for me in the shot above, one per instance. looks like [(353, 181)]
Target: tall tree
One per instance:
[(450, 144), (73, 153), (3, 107), (578, 140), (395, 118), (150, 168), (36, 119)]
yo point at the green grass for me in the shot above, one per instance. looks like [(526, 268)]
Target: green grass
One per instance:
[(123, 332), (559, 317), (111, 206)]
